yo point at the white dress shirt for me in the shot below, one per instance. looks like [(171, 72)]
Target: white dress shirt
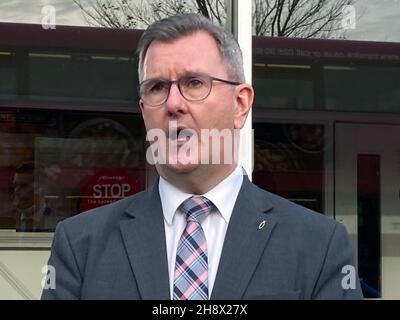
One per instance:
[(215, 225)]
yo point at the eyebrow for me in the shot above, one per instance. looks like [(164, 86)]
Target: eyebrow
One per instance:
[(185, 74)]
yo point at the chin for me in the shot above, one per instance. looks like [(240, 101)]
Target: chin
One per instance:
[(181, 167)]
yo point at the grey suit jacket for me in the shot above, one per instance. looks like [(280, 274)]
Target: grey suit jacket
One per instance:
[(119, 252)]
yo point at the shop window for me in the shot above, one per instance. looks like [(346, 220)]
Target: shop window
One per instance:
[(288, 161), (283, 87), (57, 164), (102, 78), (362, 88), (8, 76)]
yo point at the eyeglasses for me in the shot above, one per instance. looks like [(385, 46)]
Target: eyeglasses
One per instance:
[(193, 87)]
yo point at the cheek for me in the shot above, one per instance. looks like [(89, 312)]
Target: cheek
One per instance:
[(217, 114), (151, 119), (146, 120), (224, 117)]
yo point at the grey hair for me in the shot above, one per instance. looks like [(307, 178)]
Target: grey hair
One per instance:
[(175, 27)]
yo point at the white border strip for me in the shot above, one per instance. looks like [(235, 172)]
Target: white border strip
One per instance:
[(242, 29), (22, 290)]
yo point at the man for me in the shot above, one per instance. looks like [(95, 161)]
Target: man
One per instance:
[(29, 216), (203, 230)]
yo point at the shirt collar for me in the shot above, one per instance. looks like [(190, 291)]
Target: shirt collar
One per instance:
[(221, 195), (31, 213)]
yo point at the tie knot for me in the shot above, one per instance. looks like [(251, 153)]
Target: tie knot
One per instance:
[(196, 208)]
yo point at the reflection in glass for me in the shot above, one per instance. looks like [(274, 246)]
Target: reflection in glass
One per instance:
[(102, 79), (288, 160), (362, 88), (8, 76), (283, 87), (132, 14), (369, 223), (57, 164)]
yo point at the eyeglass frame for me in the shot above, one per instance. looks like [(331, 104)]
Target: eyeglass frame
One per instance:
[(177, 82)]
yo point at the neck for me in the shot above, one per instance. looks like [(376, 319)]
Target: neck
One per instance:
[(200, 180), (27, 212)]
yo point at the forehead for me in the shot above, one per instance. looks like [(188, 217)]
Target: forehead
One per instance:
[(196, 52), (21, 178)]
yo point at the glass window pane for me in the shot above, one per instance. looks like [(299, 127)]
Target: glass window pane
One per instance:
[(376, 21), (102, 78), (283, 87), (288, 160), (8, 76), (35, 11), (362, 88), (57, 164)]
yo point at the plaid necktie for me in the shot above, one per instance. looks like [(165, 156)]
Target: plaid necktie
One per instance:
[(191, 265)]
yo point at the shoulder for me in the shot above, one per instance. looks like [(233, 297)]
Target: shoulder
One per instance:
[(285, 208), (305, 233), (295, 219)]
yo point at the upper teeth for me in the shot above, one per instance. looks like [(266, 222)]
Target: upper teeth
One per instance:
[(185, 132)]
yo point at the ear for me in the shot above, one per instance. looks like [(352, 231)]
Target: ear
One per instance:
[(141, 106), (142, 109), (243, 103)]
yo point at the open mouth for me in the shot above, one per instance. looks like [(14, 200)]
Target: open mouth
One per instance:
[(181, 134)]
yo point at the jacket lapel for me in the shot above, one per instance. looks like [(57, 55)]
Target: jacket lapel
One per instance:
[(244, 244), (144, 238)]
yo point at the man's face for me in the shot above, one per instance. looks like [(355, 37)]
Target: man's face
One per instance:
[(23, 196), (195, 53)]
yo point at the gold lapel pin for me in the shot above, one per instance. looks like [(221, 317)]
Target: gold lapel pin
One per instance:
[(262, 224)]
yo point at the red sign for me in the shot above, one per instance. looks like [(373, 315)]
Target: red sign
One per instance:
[(107, 186)]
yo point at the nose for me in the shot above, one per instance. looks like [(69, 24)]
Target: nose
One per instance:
[(175, 103)]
